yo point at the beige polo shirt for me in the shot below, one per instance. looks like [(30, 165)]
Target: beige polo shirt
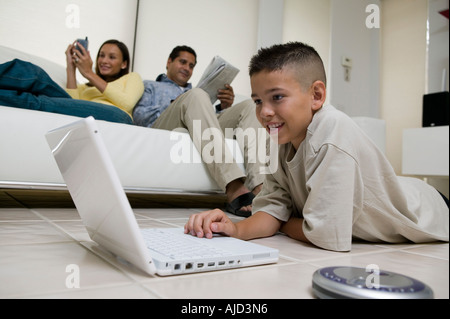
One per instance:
[(344, 188)]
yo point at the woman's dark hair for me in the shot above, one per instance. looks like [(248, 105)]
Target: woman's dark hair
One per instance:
[(126, 58)]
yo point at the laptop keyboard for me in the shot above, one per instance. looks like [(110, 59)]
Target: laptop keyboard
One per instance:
[(179, 246)]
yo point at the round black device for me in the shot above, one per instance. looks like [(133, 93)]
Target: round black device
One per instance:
[(343, 282)]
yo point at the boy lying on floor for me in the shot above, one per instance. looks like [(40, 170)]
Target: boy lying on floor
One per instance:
[(332, 183)]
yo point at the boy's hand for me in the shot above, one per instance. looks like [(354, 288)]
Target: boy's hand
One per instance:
[(209, 222)]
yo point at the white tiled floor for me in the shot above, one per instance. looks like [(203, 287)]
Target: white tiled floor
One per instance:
[(36, 246)]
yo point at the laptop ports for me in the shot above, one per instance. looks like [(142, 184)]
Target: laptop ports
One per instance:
[(189, 266), (200, 265)]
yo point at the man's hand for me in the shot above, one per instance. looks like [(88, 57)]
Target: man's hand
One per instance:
[(226, 97)]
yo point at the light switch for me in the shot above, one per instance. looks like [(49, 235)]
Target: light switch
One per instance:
[(346, 62)]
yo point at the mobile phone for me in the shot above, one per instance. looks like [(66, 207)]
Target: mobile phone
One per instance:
[(83, 42)]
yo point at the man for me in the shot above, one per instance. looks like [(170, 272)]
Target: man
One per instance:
[(170, 102)]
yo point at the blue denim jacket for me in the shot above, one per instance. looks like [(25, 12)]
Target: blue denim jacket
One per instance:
[(156, 98)]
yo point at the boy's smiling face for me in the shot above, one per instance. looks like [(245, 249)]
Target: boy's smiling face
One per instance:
[(283, 106)]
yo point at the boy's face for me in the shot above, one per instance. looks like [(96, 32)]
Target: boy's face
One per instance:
[(283, 107)]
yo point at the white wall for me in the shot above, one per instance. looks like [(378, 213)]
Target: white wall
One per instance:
[(351, 37), (309, 22), (270, 23), (230, 28), (438, 47), (46, 27), (211, 27), (403, 33), (437, 59)]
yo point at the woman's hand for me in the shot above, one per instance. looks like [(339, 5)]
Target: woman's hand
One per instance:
[(69, 56), (82, 60), (71, 68)]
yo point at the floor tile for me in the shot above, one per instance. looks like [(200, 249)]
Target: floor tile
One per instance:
[(57, 213), (73, 229), (435, 250), (164, 213), (307, 252), (36, 246), (30, 270), (15, 214), (271, 282), (30, 232), (127, 291)]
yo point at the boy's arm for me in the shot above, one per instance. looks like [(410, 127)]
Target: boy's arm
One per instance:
[(294, 229), (258, 225)]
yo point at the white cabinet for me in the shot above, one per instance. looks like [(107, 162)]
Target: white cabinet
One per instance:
[(426, 151)]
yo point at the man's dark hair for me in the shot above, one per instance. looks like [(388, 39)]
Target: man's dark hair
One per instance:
[(303, 58), (181, 48)]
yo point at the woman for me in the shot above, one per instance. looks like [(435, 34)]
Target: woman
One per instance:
[(111, 83), (110, 94)]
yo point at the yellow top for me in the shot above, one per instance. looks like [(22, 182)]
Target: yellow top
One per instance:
[(124, 92)]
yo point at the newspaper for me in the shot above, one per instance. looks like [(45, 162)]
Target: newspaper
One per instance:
[(218, 73)]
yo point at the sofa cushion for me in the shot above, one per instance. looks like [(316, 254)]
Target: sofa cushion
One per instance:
[(143, 157), (55, 71)]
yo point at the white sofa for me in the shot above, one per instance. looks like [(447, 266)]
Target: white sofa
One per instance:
[(142, 156)]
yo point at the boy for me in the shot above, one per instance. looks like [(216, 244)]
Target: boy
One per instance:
[(332, 183)]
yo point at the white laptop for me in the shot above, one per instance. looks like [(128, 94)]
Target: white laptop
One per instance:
[(94, 185)]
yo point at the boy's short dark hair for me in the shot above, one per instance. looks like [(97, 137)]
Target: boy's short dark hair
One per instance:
[(181, 48), (302, 57)]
